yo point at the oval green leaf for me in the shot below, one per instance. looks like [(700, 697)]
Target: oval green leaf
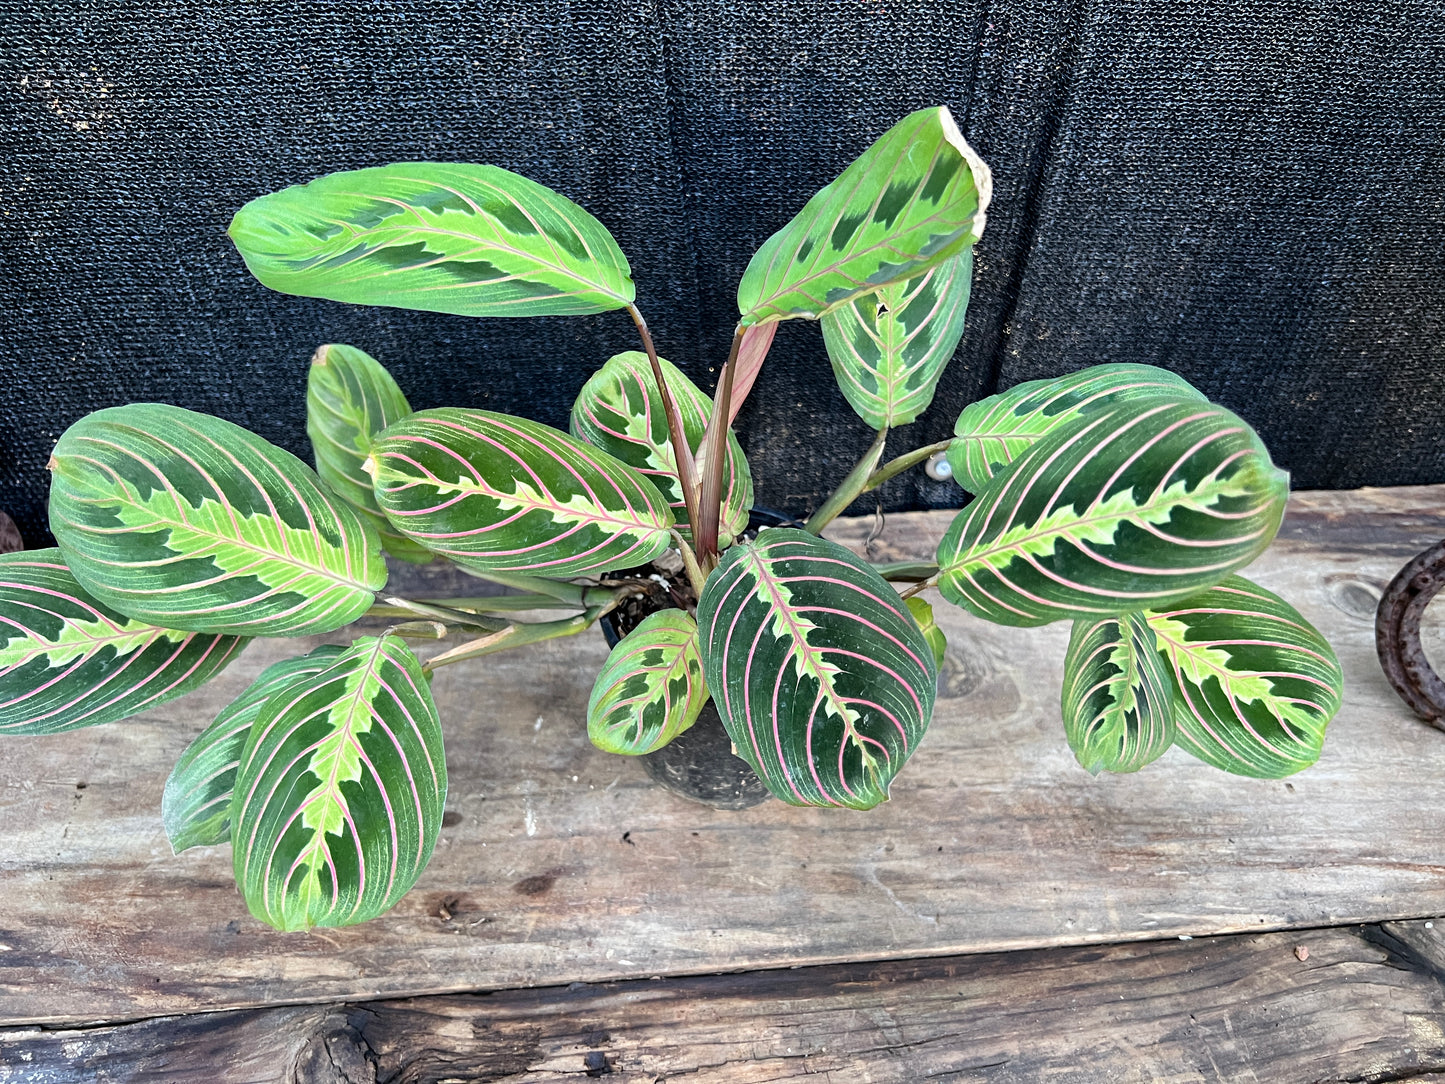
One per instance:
[(910, 201), (1142, 504), (620, 411), (196, 804), (1256, 683), (650, 689), (189, 522), (922, 613), (339, 794), (1118, 696), (822, 677), (443, 237), (68, 660), (350, 398), (504, 494), (888, 349), (991, 433)]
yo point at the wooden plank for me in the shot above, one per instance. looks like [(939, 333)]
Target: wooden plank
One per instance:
[(1344, 1004), (561, 863)]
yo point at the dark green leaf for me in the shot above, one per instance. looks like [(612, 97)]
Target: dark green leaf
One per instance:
[(338, 798), (68, 660), (190, 522), (1118, 699), (439, 236)]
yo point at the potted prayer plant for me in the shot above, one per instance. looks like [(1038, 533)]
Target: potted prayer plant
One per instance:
[(1117, 498)]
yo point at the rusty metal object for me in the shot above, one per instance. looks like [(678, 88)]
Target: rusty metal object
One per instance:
[(10, 540), (1397, 634)]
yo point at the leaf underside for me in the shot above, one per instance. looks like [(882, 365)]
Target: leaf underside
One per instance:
[(196, 804), (187, 521), (454, 237), (888, 349), (1256, 683), (350, 398), (650, 689), (504, 494), (339, 794), (991, 433), (821, 675), (620, 411), (913, 199), (1142, 504), (1118, 695), (68, 660)]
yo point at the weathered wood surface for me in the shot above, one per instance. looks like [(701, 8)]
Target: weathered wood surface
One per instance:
[(561, 863), (1363, 1004)]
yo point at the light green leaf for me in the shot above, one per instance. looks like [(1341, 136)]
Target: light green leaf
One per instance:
[(620, 411), (196, 804), (922, 613), (67, 660), (1256, 683), (650, 689), (349, 399), (187, 521), (504, 494), (888, 349), (993, 432), (913, 199), (339, 794), (1118, 696), (820, 673), (1143, 503), (439, 236)]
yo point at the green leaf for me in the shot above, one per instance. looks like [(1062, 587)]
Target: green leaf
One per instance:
[(993, 432), (443, 237), (349, 399), (338, 799), (68, 660), (504, 494), (650, 689), (913, 199), (822, 677), (1141, 504), (1118, 697), (933, 635), (620, 411), (189, 522), (888, 349), (1256, 683), (196, 804)]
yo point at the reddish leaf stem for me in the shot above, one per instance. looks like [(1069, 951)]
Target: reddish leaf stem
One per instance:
[(686, 467), (714, 454)]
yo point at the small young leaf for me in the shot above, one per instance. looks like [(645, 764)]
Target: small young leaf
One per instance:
[(349, 399), (888, 349), (910, 201), (620, 411), (1144, 503), (922, 613), (196, 804), (339, 794), (1256, 683), (650, 689), (68, 660), (187, 521), (1118, 696), (504, 494), (993, 432), (820, 673), (442, 237)]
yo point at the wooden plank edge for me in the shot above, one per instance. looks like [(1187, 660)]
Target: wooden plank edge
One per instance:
[(1340, 1004)]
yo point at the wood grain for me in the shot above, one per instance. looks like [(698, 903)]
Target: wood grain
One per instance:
[(561, 863), (1352, 1004)]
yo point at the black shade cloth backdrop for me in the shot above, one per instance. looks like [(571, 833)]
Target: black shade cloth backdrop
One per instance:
[(1251, 195)]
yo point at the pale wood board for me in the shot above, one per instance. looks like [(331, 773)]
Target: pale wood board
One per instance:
[(1342, 1004), (994, 839)]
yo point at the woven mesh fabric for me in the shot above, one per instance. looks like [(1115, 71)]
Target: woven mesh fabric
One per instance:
[(1251, 195)]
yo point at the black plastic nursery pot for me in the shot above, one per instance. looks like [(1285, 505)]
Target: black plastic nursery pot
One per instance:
[(698, 764)]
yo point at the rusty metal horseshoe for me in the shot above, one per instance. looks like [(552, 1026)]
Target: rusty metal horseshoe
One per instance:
[(1397, 634)]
